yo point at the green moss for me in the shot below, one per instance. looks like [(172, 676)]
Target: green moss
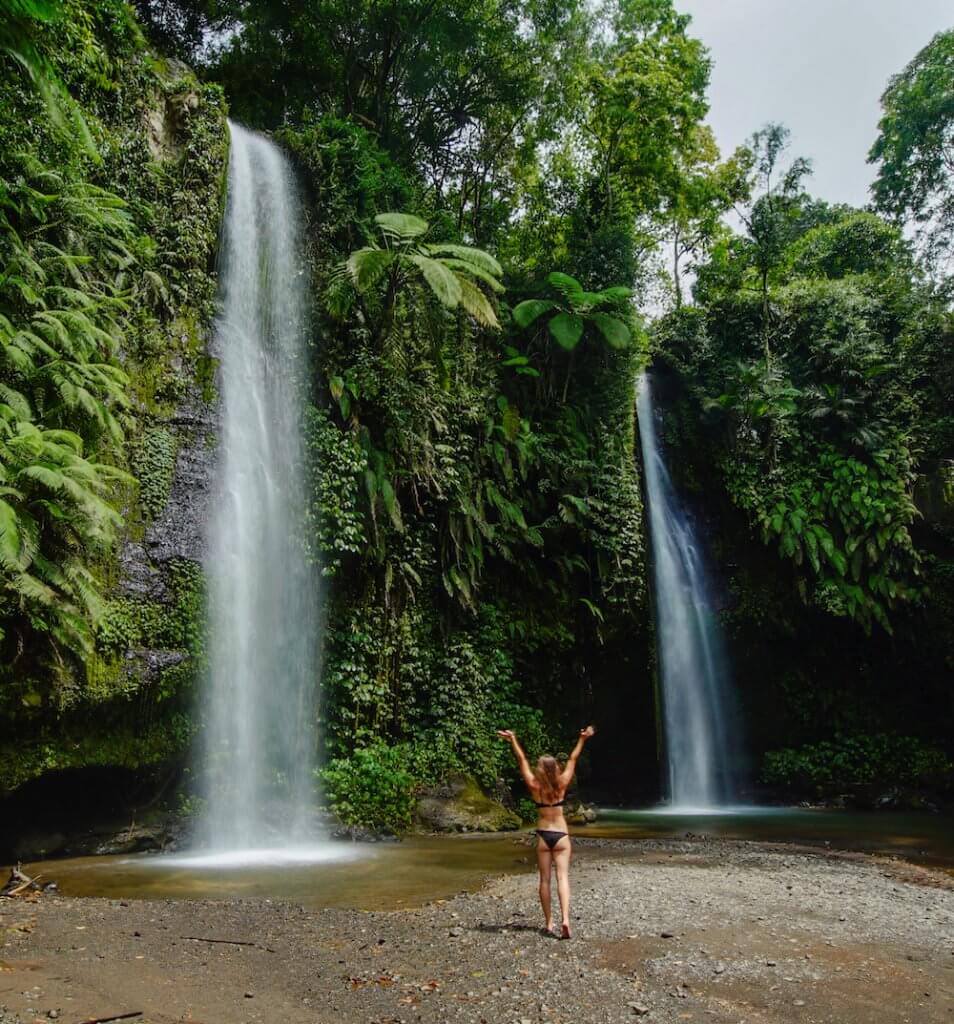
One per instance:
[(127, 747), (154, 461)]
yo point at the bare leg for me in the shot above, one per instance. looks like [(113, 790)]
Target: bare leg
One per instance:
[(545, 863), (561, 858)]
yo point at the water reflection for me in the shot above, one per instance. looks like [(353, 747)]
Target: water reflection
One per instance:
[(390, 876)]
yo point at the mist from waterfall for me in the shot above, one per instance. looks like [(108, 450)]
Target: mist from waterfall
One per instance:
[(698, 708), (264, 622)]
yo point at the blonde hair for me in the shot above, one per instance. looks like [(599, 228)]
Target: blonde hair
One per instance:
[(547, 774)]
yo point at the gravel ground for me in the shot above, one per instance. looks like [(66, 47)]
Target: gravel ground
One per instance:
[(714, 931)]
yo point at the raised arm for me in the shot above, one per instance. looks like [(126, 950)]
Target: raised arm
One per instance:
[(570, 770), (525, 770)]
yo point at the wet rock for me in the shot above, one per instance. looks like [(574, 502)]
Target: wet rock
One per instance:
[(459, 805)]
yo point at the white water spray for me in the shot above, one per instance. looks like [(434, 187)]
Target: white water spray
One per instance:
[(697, 703), (264, 621)]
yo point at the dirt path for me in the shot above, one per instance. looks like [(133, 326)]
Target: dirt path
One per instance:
[(716, 932)]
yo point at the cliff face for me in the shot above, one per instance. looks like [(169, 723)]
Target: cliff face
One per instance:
[(162, 140)]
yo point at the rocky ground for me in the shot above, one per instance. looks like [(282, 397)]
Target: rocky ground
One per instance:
[(704, 931)]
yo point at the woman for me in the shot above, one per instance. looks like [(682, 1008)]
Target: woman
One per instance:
[(548, 786)]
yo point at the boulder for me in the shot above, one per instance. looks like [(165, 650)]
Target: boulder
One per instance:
[(460, 805)]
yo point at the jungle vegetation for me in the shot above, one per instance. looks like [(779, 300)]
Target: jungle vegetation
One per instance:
[(495, 190)]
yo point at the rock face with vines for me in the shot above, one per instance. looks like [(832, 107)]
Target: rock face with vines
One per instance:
[(109, 210)]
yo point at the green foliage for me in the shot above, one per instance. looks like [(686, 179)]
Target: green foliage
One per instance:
[(818, 439), (883, 760), (154, 459), (576, 309), (335, 517), (18, 40), (371, 789), (913, 148), (147, 744), (105, 291), (400, 263)]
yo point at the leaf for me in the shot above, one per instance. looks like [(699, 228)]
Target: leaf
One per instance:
[(401, 225), (566, 284), (443, 283), (525, 313), (617, 292), (367, 266), (391, 505), (470, 255), (477, 304), (567, 329), (461, 267), (614, 331)]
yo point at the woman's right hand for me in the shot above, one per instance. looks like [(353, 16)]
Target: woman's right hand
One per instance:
[(506, 734), (587, 732)]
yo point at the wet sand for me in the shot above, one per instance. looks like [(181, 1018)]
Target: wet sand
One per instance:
[(668, 931)]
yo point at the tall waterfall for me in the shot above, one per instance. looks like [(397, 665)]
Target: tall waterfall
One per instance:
[(697, 702), (263, 610)]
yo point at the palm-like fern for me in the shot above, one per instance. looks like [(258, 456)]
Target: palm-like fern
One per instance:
[(67, 248), (54, 512), (573, 309), (452, 273)]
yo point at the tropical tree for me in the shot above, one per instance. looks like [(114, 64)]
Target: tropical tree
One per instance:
[(573, 309), (451, 273), (773, 220), (573, 313), (915, 146)]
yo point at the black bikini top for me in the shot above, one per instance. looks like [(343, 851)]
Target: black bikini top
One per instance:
[(559, 803)]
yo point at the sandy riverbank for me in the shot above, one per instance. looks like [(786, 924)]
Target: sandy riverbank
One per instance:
[(714, 931)]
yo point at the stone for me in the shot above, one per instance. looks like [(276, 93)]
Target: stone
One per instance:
[(639, 1009), (459, 805)]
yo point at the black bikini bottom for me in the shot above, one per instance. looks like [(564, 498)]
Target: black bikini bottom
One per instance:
[(550, 837)]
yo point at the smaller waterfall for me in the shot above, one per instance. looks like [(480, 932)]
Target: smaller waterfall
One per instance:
[(697, 702)]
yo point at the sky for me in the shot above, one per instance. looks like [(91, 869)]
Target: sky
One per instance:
[(819, 67)]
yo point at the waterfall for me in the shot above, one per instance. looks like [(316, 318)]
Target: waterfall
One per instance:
[(697, 701), (264, 626)]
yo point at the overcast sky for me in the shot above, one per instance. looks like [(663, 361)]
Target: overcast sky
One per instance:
[(819, 67)]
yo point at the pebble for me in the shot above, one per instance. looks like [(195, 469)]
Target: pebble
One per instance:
[(666, 935), (639, 1009)]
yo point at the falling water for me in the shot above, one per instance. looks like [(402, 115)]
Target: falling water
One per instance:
[(263, 610), (697, 703)]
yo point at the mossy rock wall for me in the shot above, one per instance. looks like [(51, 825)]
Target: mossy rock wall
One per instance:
[(163, 141)]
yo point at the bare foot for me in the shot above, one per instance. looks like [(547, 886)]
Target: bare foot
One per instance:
[(550, 930), (565, 934)]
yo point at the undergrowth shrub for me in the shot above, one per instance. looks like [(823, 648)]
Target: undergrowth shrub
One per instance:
[(858, 760)]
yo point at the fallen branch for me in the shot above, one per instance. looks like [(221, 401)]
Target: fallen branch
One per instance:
[(115, 1016), (225, 942), (18, 883)]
